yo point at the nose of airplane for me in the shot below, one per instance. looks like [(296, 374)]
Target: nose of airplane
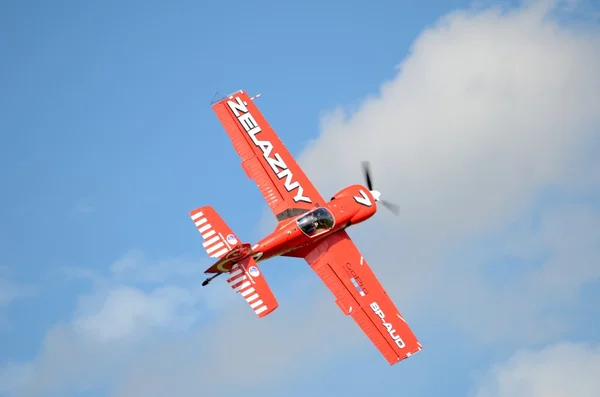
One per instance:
[(376, 194)]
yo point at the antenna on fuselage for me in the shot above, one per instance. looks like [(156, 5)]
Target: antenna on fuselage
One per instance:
[(216, 98)]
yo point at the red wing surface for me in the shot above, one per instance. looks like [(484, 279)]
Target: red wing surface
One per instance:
[(246, 279), (358, 293), (265, 159)]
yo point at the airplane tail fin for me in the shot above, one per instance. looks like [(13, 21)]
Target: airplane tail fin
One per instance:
[(244, 275), (219, 240)]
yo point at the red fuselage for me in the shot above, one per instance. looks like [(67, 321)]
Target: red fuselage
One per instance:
[(295, 236)]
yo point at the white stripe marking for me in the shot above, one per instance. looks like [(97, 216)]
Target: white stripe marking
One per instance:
[(220, 253), (215, 247), (248, 291), (247, 283), (207, 235), (262, 309), (211, 241), (251, 298), (237, 280), (201, 221), (197, 215), (234, 273), (257, 303), (205, 228)]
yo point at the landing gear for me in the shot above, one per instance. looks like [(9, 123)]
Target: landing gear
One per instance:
[(208, 280)]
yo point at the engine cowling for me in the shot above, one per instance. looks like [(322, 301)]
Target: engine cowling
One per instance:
[(353, 204)]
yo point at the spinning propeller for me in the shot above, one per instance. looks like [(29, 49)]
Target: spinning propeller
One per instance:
[(376, 193)]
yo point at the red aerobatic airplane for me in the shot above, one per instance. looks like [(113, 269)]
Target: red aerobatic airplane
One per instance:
[(309, 228)]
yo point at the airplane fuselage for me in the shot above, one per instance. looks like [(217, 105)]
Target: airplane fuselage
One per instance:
[(296, 236)]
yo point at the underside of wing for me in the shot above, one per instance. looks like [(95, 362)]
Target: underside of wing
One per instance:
[(265, 159), (359, 294)]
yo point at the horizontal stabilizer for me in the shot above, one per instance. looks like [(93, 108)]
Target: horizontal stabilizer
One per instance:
[(218, 237), (246, 279)]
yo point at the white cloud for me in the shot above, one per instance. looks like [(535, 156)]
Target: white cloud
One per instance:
[(134, 266), (560, 370), (142, 296), (127, 312), (112, 326), (121, 334), (9, 291), (269, 351), (531, 301), (489, 108), (15, 376)]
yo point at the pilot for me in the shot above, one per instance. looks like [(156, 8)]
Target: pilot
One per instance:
[(312, 227), (315, 226)]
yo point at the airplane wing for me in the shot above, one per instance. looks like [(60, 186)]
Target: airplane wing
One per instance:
[(265, 159), (358, 293), (246, 279)]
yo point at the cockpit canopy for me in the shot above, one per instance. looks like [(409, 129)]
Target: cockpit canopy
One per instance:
[(316, 222)]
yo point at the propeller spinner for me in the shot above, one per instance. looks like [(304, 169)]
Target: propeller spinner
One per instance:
[(376, 193)]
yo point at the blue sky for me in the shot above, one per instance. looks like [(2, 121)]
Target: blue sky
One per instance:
[(107, 141)]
